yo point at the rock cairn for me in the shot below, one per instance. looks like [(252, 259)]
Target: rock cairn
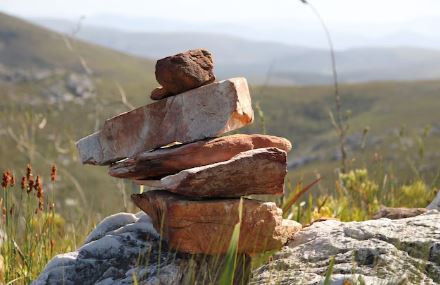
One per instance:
[(174, 147)]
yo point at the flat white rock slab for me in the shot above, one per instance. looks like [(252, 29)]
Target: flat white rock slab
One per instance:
[(207, 111)]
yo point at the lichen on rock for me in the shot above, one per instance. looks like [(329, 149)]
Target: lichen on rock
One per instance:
[(383, 251)]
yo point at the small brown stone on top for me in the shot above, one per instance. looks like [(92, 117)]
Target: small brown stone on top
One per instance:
[(185, 71)]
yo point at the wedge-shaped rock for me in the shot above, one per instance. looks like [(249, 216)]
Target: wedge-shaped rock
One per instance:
[(206, 226), (166, 161), (208, 111), (257, 171)]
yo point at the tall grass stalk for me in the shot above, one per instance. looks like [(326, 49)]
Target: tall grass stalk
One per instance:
[(338, 121), (32, 230)]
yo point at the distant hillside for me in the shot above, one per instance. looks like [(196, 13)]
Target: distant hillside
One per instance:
[(55, 90), (24, 45), (283, 64)]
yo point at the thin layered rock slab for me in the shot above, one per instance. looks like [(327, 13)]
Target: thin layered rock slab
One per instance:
[(167, 161), (206, 226), (208, 111), (257, 171)]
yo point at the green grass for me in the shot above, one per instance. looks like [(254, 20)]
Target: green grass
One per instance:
[(34, 231)]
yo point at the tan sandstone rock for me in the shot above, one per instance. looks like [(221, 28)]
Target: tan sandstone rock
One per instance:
[(208, 111), (206, 226), (257, 171), (166, 161), (185, 71)]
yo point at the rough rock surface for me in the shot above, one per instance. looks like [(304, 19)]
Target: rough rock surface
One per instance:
[(208, 111), (166, 161), (206, 226), (435, 204), (383, 251), (257, 171), (160, 93), (185, 71), (111, 255)]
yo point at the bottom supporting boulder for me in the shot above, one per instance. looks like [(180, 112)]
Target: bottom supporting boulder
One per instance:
[(125, 247), (384, 251), (114, 253), (206, 226)]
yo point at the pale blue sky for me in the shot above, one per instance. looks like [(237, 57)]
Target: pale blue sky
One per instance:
[(351, 21)]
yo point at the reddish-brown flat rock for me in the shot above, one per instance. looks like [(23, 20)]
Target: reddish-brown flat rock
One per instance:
[(398, 213), (206, 226), (166, 161), (208, 111), (257, 171), (185, 71)]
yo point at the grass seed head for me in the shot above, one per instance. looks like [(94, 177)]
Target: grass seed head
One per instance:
[(30, 185), (28, 172), (23, 183), (53, 173), (6, 179), (40, 194)]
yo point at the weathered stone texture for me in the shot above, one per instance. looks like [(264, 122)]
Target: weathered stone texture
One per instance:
[(208, 111), (405, 251), (185, 71), (160, 93), (206, 226), (257, 171), (166, 161), (435, 204), (110, 255)]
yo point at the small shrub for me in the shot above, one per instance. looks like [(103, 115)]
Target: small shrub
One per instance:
[(415, 195)]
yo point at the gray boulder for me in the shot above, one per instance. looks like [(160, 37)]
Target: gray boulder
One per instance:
[(116, 251), (383, 251), (435, 204)]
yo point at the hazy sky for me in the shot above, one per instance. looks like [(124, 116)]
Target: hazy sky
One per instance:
[(353, 22)]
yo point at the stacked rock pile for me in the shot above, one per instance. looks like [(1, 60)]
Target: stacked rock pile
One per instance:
[(174, 146)]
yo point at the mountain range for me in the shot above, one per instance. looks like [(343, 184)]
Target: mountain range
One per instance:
[(267, 62)]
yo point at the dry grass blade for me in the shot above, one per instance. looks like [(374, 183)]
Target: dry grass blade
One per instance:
[(289, 203)]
